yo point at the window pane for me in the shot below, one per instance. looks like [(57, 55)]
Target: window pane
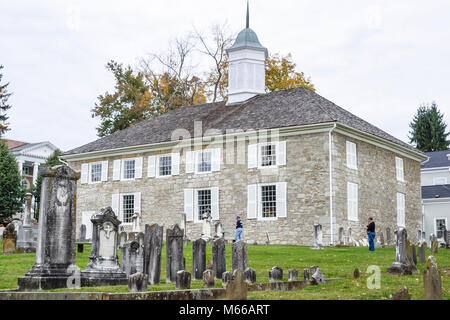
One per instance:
[(204, 161), (268, 156), (128, 170), (269, 201), (440, 225), (96, 172), (204, 203), (128, 208), (165, 166)]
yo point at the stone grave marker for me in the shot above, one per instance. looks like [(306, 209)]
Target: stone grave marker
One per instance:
[(276, 274), (250, 275), (198, 258), (293, 275), (137, 282), (318, 237), (26, 243), (434, 244), (432, 280), (400, 267), (153, 246), (208, 278), (318, 277), (341, 236), (306, 274), (9, 239), (83, 232), (227, 276), (422, 252), (401, 295), (218, 257), (388, 236), (356, 273), (183, 278), (55, 252), (174, 253), (382, 239), (239, 255), (220, 232), (236, 289), (409, 258)]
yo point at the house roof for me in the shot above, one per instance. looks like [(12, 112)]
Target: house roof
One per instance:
[(438, 191), (280, 109), (14, 143), (437, 159)]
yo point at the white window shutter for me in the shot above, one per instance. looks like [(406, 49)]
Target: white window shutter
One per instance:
[(115, 205), (189, 204), (216, 159), (215, 203), (104, 171), (151, 167), (281, 153), (252, 201), (84, 173), (399, 167), (400, 209), (116, 170), (137, 203), (175, 164), (190, 162), (252, 156), (352, 201), (138, 168), (281, 200)]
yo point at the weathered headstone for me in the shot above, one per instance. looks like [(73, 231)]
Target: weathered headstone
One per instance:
[(131, 263), (236, 289), (183, 279), (388, 235), (422, 252), (55, 252), (410, 258), (208, 278), (136, 220), (227, 276), (432, 280), (206, 227), (414, 254), (137, 282), (401, 295), (83, 232), (174, 253), (153, 246), (276, 274), (123, 238), (400, 267), (9, 239), (446, 238), (103, 266), (434, 244), (218, 257), (356, 273), (26, 242), (318, 277), (341, 236), (198, 258), (318, 237), (293, 275), (239, 255), (382, 239), (306, 274), (250, 275), (220, 232)]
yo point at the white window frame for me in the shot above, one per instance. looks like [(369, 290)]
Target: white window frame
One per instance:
[(197, 158), (351, 155), (435, 179), (260, 160), (196, 207), (122, 169), (259, 203), (400, 170), (401, 210), (26, 171), (352, 202), (90, 172), (158, 158), (435, 226), (121, 217)]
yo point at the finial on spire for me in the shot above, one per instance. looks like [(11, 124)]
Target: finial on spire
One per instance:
[(248, 17)]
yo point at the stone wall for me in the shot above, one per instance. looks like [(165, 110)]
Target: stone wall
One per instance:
[(307, 176)]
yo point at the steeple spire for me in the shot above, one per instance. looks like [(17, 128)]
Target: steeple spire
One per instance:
[(248, 17)]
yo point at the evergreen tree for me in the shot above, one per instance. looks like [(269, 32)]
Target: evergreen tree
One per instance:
[(428, 129), (4, 95), (12, 192), (52, 161)]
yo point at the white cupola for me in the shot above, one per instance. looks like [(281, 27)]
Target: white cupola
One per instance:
[(247, 66)]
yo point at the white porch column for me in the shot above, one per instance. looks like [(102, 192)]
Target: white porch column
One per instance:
[(35, 172), (20, 164)]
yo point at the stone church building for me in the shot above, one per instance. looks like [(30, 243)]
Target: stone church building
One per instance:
[(284, 161)]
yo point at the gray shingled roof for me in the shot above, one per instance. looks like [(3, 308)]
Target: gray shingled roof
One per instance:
[(437, 159), (439, 191), (280, 109)]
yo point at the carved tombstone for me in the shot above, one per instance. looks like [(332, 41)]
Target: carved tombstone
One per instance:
[(401, 295), (206, 227), (220, 232), (382, 238), (432, 280), (236, 289), (239, 256), (55, 252), (218, 257), (388, 236), (174, 253), (183, 279), (434, 244), (250, 275), (130, 258), (422, 252), (293, 275), (276, 274), (318, 237), (103, 266), (227, 276), (400, 266), (26, 243), (198, 258), (137, 282), (153, 245), (83, 232), (411, 260), (9, 239), (341, 239), (208, 278)]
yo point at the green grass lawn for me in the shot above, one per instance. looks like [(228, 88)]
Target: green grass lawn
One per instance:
[(334, 262)]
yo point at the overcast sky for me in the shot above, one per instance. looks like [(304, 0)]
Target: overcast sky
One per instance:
[(378, 59)]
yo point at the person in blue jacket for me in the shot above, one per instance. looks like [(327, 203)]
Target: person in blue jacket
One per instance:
[(238, 235)]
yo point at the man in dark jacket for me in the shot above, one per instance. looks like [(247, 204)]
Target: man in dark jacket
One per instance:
[(238, 235), (370, 229)]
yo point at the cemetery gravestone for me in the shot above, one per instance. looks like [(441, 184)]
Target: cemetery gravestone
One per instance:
[(388, 235), (293, 275), (83, 232), (198, 258), (26, 243), (218, 253), (400, 267), (174, 253), (183, 279), (306, 274), (236, 289), (276, 274), (239, 256), (401, 295), (103, 267), (208, 278), (422, 248), (382, 239), (227, 276), (250, 275), (318, 237), (318, 277), (137, 282), (9, 239), (434, 244), (356, 273), (432, 280), (220, 232), (153, 244), (55, 251)]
